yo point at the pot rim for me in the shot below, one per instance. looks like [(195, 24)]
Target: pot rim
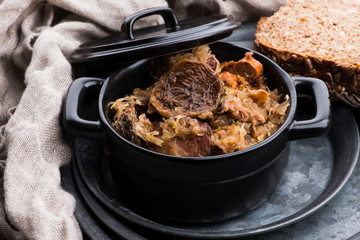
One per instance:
[(284, 126)]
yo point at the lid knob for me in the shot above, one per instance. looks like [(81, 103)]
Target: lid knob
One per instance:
[(166, 13)]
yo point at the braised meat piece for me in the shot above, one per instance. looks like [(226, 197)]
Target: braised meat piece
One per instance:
[(213, 63), (160, 65), (190, 88), (124, 118), (132, 120), (184, 136), (199, 54)]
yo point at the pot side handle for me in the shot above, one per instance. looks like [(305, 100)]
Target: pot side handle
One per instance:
[(321, 123), (75, 124)]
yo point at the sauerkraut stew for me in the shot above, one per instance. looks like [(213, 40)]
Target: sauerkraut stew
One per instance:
[(200, 107)]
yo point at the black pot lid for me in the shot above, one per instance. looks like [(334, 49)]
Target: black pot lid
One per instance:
[(173, 36)]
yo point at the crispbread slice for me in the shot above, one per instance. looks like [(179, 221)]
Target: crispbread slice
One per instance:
[(315, 38)]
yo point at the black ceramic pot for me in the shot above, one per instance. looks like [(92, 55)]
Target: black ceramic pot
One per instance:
[(198, 189)]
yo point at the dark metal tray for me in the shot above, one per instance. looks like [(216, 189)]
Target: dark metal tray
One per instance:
[(318, 169)]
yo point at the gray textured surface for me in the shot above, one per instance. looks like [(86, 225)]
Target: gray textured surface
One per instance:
[(339, 219)]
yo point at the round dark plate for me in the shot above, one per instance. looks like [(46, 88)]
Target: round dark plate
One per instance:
[(108, 222), (92, 228), (318, 168)]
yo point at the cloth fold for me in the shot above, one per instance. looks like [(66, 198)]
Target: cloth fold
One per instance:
[(36, 39)]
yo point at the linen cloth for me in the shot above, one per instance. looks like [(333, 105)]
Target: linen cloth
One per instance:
[(36, 39)]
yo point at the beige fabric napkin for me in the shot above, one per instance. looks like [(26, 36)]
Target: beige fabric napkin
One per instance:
[(36, 39)]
